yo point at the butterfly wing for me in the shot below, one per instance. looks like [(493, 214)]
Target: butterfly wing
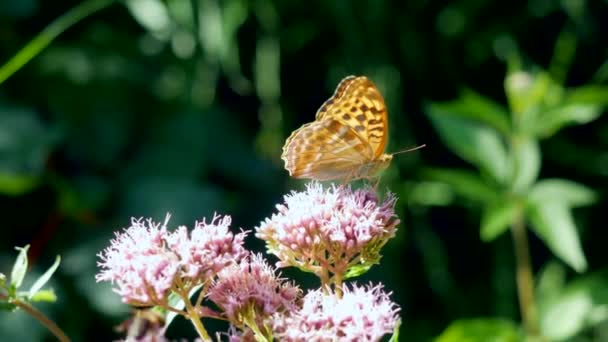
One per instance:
[(357, 103), (325, 150)]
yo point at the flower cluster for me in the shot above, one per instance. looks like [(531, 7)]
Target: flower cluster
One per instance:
[(251, 291), (331, 229), (335, 232), (146, 261), (360, 314)]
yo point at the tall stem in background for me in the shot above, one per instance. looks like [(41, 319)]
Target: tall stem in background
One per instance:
[(525, 278)]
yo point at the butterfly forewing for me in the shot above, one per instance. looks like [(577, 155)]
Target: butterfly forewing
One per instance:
[(358, 103), (347, 137)]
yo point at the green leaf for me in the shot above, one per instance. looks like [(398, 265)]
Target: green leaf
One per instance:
[(465, 183), (44, 296), (471, 105), (551, 281), (2, 281), (497, 218), (177, 302), (40, 282), (552, 120), (481, 330), (20, 267), (526, 164), (590, 94), (552, 222), (6, 306), (429, 193), (357, 270), (579, 305), (472, 141), (555, 189)]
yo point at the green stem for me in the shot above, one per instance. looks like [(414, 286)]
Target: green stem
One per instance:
[(525, 278), (46, 36), (50, 325)]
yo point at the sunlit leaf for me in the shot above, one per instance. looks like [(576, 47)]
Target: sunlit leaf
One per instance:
[(497, 218), (570, 193), (553, 223), (44, 296), (19, 268), (472, 141), (551, 121), (481, 330), (465, 183), (151, 14), (581, 304), (40, 282)]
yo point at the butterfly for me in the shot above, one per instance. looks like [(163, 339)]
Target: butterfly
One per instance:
[(346, 140)]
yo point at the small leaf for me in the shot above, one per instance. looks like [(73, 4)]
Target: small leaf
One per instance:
[(526, 164), (481, 330), (551, 121), (497, 218), (44, 296), (176, 302), (465, 183), (20, 267), (2, 281), (472, 141), (357, 270), (570, 193), (552, 222), (40, 282), (590, 94)]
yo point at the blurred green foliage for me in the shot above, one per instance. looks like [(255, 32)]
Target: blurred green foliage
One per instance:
[(140, 107)]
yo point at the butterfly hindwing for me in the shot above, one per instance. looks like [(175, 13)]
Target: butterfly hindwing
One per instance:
[(324, 150)]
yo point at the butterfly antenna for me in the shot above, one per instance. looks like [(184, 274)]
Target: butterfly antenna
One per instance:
[(410, 149)]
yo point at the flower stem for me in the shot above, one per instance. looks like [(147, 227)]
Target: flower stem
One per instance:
[(32, 311), (525, 278), (194, 318)]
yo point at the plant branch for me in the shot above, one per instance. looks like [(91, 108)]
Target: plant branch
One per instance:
[(46, 36), (37, 314), (525, 278)]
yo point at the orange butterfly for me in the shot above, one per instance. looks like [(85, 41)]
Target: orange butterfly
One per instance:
[(347, 138)]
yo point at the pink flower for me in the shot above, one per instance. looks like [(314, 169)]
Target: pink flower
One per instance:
[(251, 291), (138, 263), (362, 314), (145, 260), (208, 248), (332, 229)]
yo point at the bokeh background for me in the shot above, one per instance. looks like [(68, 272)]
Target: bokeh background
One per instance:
[(144, 107)]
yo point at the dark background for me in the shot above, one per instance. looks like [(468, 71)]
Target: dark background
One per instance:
[(132, 113)]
